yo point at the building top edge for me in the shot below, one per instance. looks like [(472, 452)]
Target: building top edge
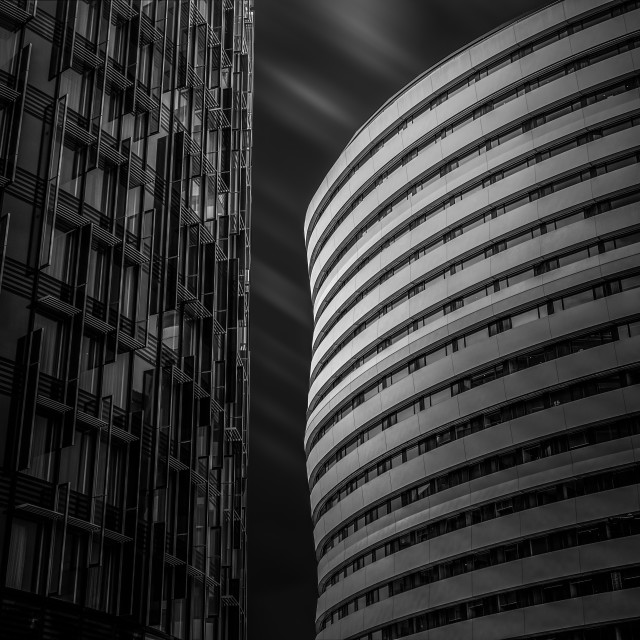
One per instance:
[(325, 185), (443, 61)]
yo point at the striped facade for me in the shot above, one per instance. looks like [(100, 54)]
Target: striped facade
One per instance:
[(473, 427)]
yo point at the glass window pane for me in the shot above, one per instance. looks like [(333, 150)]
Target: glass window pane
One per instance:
[(22, 555), (523, 318)]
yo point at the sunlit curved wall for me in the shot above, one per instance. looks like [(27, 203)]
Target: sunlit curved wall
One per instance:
[(474, 257)]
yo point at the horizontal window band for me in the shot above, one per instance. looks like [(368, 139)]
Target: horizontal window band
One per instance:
[(522, 163), (521, 362), (540, 268), (482, 71), (583, 584), (557, 221), (587, 484), (571, 66), (557, 396), (527, 124), (584, 175), (499, 325), (555, 540), (508, 204)]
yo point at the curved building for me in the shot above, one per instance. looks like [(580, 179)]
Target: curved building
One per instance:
[(473, 435)]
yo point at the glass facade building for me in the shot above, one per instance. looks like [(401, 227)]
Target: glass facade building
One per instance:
[(125, 191), (473, 426)]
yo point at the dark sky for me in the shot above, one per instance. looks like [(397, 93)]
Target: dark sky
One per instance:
[(322, 67)]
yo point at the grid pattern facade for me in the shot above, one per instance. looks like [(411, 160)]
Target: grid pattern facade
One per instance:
[(474, 406), (125, 191)]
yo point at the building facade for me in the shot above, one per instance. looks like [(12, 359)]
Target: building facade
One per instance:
[(125, 192), (474, 406)]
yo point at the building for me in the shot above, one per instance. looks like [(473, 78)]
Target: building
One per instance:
[(474, 405), (125, 191)]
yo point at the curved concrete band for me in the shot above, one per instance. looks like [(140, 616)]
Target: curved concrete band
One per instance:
[(500, 193)]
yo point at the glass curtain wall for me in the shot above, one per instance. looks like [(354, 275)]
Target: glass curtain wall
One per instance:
[(125, 193)]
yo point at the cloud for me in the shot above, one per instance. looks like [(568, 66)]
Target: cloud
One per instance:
[(308, 94), (280, 291), (302, 104), (365, 31)]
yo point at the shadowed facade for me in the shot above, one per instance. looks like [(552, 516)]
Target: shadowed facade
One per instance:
[(125, 177)]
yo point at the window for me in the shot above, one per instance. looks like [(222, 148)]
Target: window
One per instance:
[(45, 445), (97, 275), (508, 601), (577, 299), (73, 567), (475, 337), (54, 346), (86, 19), (90, 361), (22, 558), (78, 88), (71, 170), (629, 330), (129, 292), (117, 42), (524, 317), (440, 396), (77, 462), (102, 581), (405, 413), (63, 256)]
